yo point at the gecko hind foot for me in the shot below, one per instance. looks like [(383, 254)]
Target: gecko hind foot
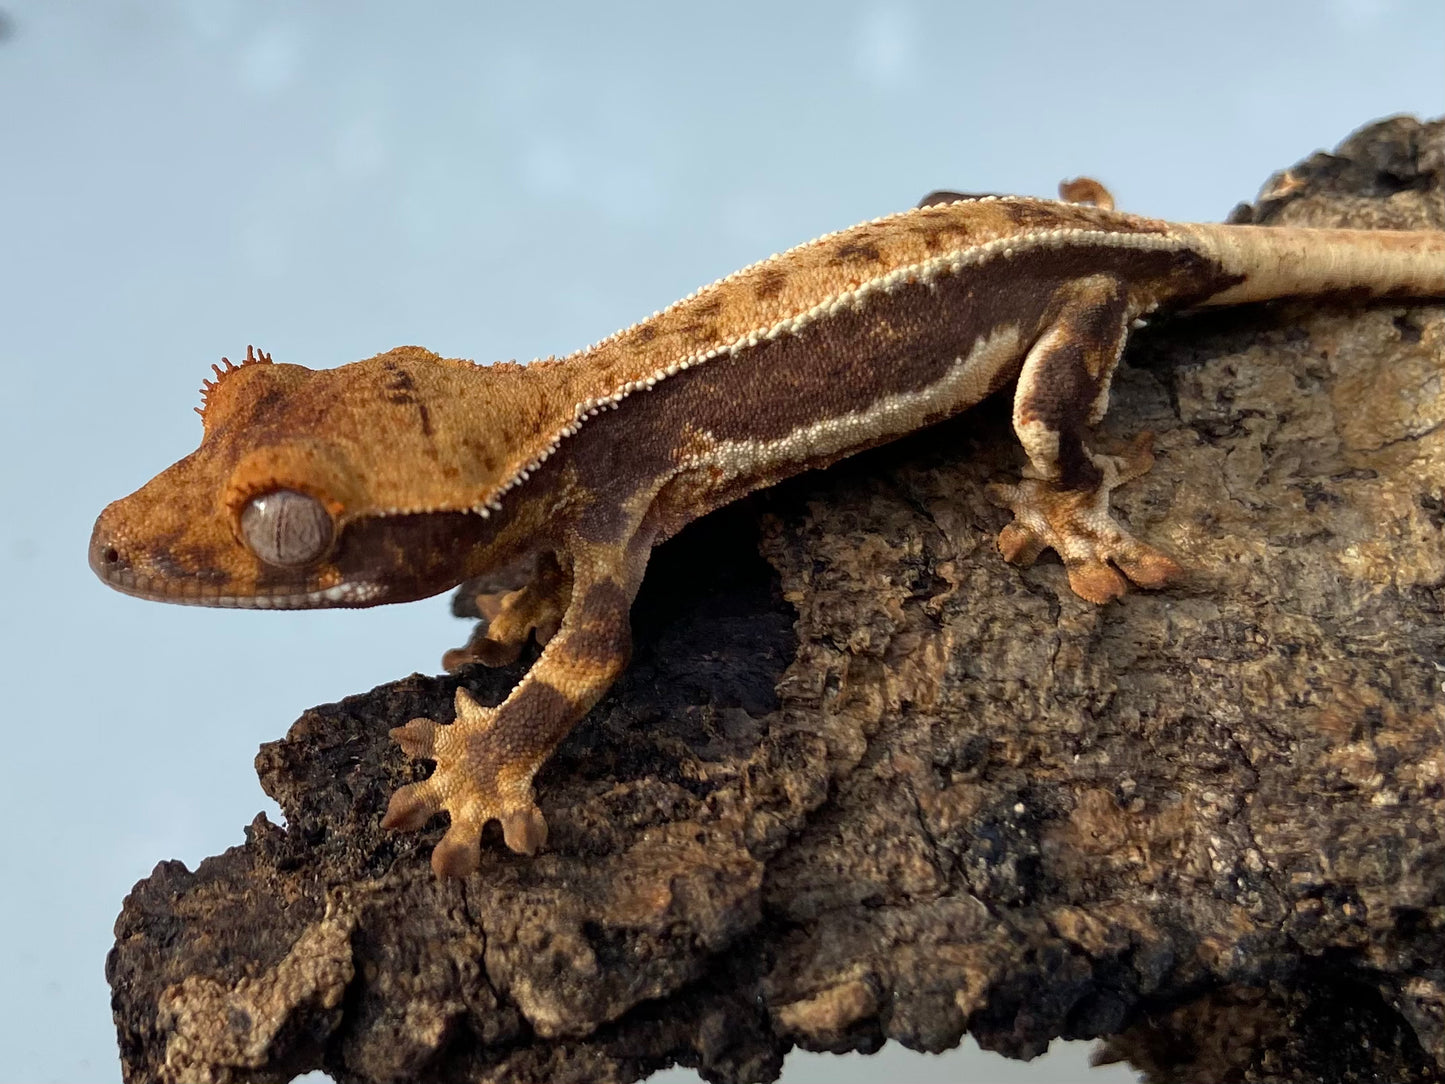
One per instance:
[(1078, 525), (471, 783), (1086, 190)]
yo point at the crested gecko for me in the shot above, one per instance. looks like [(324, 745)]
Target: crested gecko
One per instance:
[(403, 475)]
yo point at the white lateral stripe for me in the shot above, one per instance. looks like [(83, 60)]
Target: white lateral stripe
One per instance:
[(966, 381)]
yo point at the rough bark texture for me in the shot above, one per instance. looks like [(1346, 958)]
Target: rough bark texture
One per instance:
[(865, 781)]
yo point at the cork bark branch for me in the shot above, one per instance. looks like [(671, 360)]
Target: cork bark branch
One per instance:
[(864, 781)]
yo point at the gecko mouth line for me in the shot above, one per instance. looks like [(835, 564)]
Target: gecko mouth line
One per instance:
[(185, 592)]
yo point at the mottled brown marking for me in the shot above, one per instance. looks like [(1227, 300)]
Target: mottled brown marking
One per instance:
[(935, 236), (1030, 215), (167, 557), (699, 333), (608, 473), (769, 283), (258, 411), (400, 380), (403, 392), (1069, 417), (857, 252), (545, 715), (601, 637)]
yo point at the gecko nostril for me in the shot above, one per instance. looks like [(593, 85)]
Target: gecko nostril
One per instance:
[(107, 557)]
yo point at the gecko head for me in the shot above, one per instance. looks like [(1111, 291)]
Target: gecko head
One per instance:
[(290, 500)]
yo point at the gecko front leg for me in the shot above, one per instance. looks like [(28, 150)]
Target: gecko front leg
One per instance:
[(485, 760), (1062, 502)]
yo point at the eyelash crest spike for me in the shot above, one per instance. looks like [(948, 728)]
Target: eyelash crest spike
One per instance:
[(225, 369)]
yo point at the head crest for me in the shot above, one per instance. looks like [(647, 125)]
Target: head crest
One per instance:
[(225, 369)]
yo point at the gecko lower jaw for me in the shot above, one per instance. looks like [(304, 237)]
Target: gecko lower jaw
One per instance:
[(193, 593), (108, 563)]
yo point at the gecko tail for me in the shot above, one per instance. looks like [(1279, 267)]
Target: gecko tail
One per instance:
[(1282, 261)]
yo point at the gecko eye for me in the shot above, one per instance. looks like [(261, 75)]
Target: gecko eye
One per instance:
[(286, 528)]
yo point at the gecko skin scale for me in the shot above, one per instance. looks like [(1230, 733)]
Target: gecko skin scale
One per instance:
[(403, 475)]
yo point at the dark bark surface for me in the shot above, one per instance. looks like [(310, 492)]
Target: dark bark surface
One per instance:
[(865, 781)]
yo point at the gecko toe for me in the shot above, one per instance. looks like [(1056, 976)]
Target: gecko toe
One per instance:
[(1150, 568), (1002, 494), (1096, 582), (1020, 546), (480, 648), (411, 806), (459, 852), (546, 630), (491, 604), (417, 738), (525, 830), (1136, 461)]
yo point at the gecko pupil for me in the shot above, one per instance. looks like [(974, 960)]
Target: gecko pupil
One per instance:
[(286, 528)]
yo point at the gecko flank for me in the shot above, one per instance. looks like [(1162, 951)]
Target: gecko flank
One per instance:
[(403, 475)]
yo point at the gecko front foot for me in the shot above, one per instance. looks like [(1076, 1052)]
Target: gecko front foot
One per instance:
[(473, 781), (512, 616), (1078, 525)]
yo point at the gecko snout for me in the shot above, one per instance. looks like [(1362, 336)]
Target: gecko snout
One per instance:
[(107, 558), (114, 558), (138, 563)]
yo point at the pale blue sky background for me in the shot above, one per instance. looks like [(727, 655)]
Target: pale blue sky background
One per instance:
[(329, 180)]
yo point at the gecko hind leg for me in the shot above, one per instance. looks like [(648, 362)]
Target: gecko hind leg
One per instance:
[(1062, 503), (512, 616)]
